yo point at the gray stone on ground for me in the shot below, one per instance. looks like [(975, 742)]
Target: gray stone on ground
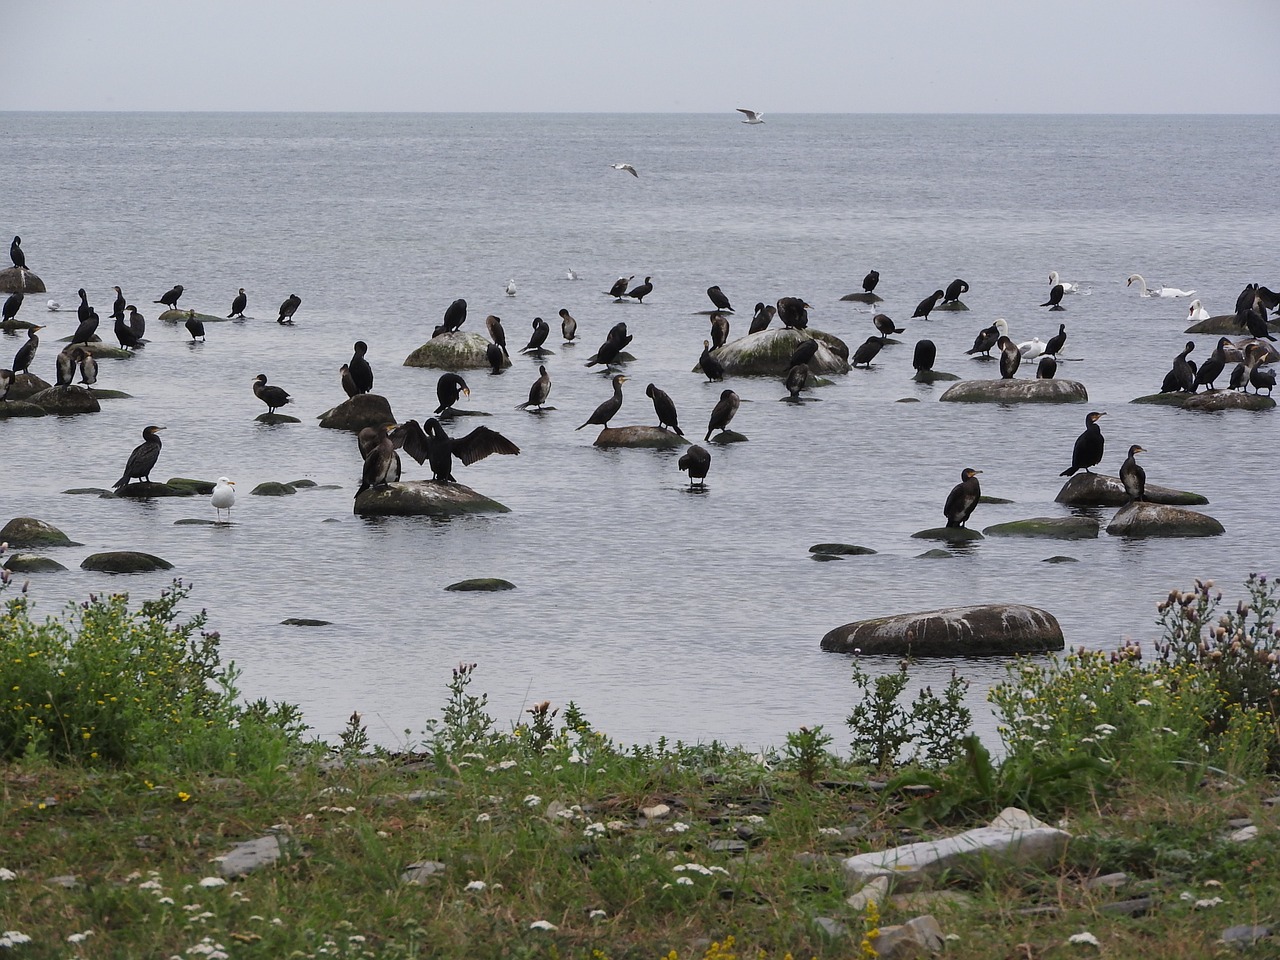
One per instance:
[(949, 534), (271, 488), (766, 353), (1245, 935), (874, 892), (1059, 528), (998, 629), (640, 436), (124, 561), (833, 929), (65, 401), (1161, 520), (918, 937), (424, 498), (251, 855), (1016, 391), (421, 871), (31, 563), (18, 280), (1100, 490), (481, 585), (30, 532), (356, 413), (453, 351)]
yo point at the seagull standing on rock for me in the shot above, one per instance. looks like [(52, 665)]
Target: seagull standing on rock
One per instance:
[(224, 496)]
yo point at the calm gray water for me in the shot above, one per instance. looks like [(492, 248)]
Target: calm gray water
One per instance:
[(658, 611)]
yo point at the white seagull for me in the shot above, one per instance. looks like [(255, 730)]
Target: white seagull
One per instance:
[(1161, 291), (625, 166), (1197, 312), (54, 305), (1067, 287), (511, 288), (571, 274), (1030, 349), (224, 496), (751, 115)]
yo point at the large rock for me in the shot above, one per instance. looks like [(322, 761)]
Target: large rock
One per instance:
[(934, 376), (31, 563), (481, 585), (124, 561), (1210, 400), (66, 400), (1099, 490), (997, 629), (20, 408), (1060, 528), (1016, 391), (1225, 325), (146, 489), (767, 353), (15, 325), (25, 386), (453, 351), (30, 532), (640, 437), (424, 498), (948, 534), (358, 412), (14, 280), (182, 316), (1160, 520), (104, 351), (862, 297), (191, 485)]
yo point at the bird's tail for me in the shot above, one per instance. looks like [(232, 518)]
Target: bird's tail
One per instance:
[(1070, 471), (579, 428), (677, 430)]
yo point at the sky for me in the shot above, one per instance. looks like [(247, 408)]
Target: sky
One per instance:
[(805, 56)]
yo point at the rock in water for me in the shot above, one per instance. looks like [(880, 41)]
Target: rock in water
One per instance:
[(1000, 629), (65, 401), (481, 585), (1016, 391), (1161, 520), (31, 563), (1209, 401), (1100, 490), (453, 351), (13, 280), (30, 532), (1061, 528), (949, 534), (766, 353), (424, 498), (124, 561), (362, 410), (640, 436)]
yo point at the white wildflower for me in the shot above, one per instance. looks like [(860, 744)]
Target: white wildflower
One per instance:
[(482, 818), (150, 885), (212, 882), (6, 875), (618, 825), (79, 937), (193, 907), (506, 764), (11, 938), (1105, 729), (476, 885), (1085, 937), (1142, 703), (576, 757), (543, 925), (532, 800), (167, 901), (473, 756), (677, 827), (1206, 904), (830, 831), (684, 881), (596, 915), (594, 829), (355, 938), (692, 868)]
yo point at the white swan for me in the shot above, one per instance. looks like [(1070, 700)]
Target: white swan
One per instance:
[(224, 496), (1197, 312), (1160, 291), (1030, 349), (1067, 286)]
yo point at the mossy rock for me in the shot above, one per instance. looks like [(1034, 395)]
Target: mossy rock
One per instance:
[(1016, 391), (978, 630), (105, 351), (954, 306), (949, 534), (202, 487), (358, 412), (937, 553), (1060, 528), (20, 408), (182, 316), (17, 280), (15, 325), (32, 563), (1100, 490), (453, 351), (840, 550), (272, 418), (766, 353), (87, 491), (1162, 520), (144, 490), (1211, 400), (124, 561), (304, 622), (934, 376), (862, 297), (66, 401), (111, 394), (424, 498), (30, 532), (25, 385), (728, 436), (640, 436), (481, 585), (272, 489)]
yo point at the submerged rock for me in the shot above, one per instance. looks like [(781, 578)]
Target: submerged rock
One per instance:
[(481, 585), (841, 550), (1100, 490), (64, 401), (1061, 528), (953, 305), (144, 489), (766, 353), (202, 487), (271, 418), (304, 622), (1161, 520), (949, 534), (358, 412), (1210, 400), (31, 563), (20, 408), (862, 297), (105, 351), (424, 498), (30, 532), (983, 630), (1016, 391), (934, 376), (182, 316), (640, 436), (271, 488), (124, 561), (15, 280), (727, 436), (453, 351)]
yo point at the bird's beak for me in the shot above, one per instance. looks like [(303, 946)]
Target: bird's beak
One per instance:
[(977, 471), (231, 483), (161, 428), (466, 391)]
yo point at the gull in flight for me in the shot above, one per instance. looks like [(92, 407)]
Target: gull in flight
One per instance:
[(625, 166), (752, 116)]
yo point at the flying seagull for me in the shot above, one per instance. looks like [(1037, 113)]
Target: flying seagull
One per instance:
[(751, 115), (625, 166)]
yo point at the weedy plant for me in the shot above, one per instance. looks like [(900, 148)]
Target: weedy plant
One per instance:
[(932, 725)]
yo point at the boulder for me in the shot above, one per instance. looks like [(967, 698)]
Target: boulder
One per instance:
[(272, 418), (1210, 400), (727, 436), (85, 491), (1060, 528), (481, 585), (15, 280), (1016, 391), (304, 622), (111, 394), (453, 351), (1100, 490), (20, 408), (934, 376), (840, 550), (202, 487), (26, 385), (31, 563), (182, 316), (104, 351), (142, 490), (918, 937), (980, 630), (952, 306), (1161, 520), (1225, 324), (30, 532), (937, 553), (766, 353), (862, 297), (424, 498), (271, 488), (124, 561), (63, 401), (15, 325), (251, 855), (949, 534), (640, 437), (358, 412)]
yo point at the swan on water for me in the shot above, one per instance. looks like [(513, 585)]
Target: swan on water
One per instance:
[(1197, 312), (1161, 291), (1067, 286)]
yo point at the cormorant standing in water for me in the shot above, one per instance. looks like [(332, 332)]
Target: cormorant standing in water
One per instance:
[(867, 351), (143, 458), (718, 299), (539, 392), (697, 462), (170, 299), (641, 290), (722, 413), (925, 355), (1055, 297), (27, 352), (870, 280), (925, 306), (619, 288), (434, 445), (1133, 476), (568, 325), (195, 326), (712, 367), (273, 396), (963, 498), (495, 358), (118, 305), (16, 255), (1088, 449), (238, 305), (541, 330), (1010, 358), (954, 289), (289, 308), (796, 380), (665, 408), (358, 367), (884, 323), (449, 388), (12, 304), (609, 409), (498, 335)]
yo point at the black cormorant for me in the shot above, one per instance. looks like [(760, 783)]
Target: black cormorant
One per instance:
[(719, 330), (803, 353), (722, 413), (83, 310), (619, 288), (1010, 358), (238, 305), (954, 289), (796, 379), (143, 458), (793, 312), (381, 462), (1182, 378), (1088, 449), (568, 325), (449, 388), (1055, 297), (1057, 341), (1241, 376), (614, 343), (273, 397), (718, 299), (1262, 380), (494, 356), (761, 319), (987, 337), (498, 335), (867, 351), (697, 462), (27, 352), (195, 326), (430, 443), (1212, 368), (289, 308), (963, 498), (118, 304), (1046, 368), (359, 367), (87, 328), (926, 353), (348, 382), (712, 367), (67, 360), (609, 409), (16, 255), (124, 331), (641, 290), (665, 408), (925, 306), (137, 324), (12, 304), (170, 299), (1133, 476), (870, 280), (884, 323), (539, 391), (541, 330)]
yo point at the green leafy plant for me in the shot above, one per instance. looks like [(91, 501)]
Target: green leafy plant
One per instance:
[(806, 752), (933, 725)]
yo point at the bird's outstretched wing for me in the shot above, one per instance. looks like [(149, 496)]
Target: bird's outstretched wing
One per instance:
[(480, 443), (750, 114), (416, 442)]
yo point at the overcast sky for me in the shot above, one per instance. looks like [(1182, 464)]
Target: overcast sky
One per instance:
[(877, 56)]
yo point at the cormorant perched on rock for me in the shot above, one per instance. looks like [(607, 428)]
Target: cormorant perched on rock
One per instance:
[(963, 498), (925, 306), (195, 326), (289, 308), (609, 409), (238, 305), (614, 343), (1255, 319), (722, 413), (137, 324), (1055, 297), (83, 310), (1010, 358), (541, 330), (170, 299), (143, 458), (124, 331), (718, 299), (381, 462), (954, 289), (796, 379), (273, 397), (449, 388), (1133, 476), (762, 317), (16, 255), (641, 290), (498, 335), (1241, 376), (697, 462), (793, 312), (870, 280), (27, 352), (665, 408), (12, 304), (430, 443), (87, 328), (493, 354), (1211, 369), (884, 323), (926, 353), (619, 288), (1088, 449), (988, 336), (712, 367), (568, 325), (719, 330), (803, 353), (1057, 341), (358, 367), (1047, 368), (539, 391), (1182, 378), (118, 305), (68, 358), (1262, 380), (867, 351), (348, 382), (88, 368)]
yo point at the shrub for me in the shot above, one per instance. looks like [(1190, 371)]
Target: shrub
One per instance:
[(933, 726)]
